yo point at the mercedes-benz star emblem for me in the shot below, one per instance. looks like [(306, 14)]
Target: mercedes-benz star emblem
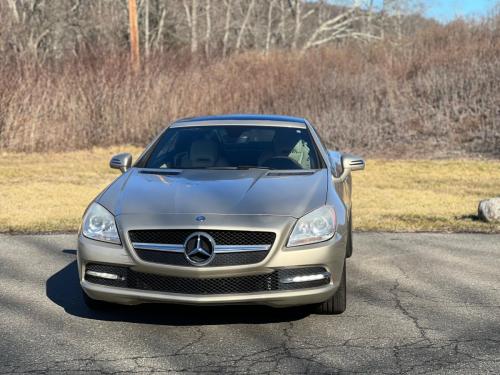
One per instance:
[(199, 249)]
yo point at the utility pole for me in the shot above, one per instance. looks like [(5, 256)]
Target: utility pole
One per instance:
[(134, 35)]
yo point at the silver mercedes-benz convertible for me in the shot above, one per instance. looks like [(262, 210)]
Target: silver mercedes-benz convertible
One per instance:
[(232, 209)]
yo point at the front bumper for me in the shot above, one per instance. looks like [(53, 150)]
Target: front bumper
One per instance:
[(274, 299), (328, 255)]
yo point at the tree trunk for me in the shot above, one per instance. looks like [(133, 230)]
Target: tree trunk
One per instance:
[(283, 22), (192, 20), (159, 32), (194, 26), (298, 23), (208, 30), (269, 25), (227, 25), (244, 25), (12, 5)]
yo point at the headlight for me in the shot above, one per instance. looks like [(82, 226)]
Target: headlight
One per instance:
[(316, 226), (99, 224)]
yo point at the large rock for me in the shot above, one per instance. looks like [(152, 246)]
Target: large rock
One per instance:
[(489, 210)]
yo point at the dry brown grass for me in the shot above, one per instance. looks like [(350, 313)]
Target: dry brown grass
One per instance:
[(436, 93), (418, 195), (49, 192)]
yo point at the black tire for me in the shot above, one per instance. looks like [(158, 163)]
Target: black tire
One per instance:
[(94, 304), (337, 303), (348, 252)]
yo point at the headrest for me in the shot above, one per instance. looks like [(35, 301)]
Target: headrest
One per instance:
[(203, 153)]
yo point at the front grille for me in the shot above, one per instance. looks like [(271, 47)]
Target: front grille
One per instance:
[(178, 259), (183, 285), (221, 237)]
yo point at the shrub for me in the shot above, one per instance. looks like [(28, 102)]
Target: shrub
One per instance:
[(435, 94)]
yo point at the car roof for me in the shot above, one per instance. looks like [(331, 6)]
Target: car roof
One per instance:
[(242, 119), (241, 116)]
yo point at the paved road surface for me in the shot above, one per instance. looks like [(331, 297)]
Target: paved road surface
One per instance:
[(418, 303)]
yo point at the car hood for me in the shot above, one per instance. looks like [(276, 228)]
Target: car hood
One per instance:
[(230, 192)]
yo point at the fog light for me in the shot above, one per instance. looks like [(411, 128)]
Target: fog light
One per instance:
[(306, 278), (104, 275)]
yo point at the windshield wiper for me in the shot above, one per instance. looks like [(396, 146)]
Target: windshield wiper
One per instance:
[(223, 168), (240, 167), (252, 167)]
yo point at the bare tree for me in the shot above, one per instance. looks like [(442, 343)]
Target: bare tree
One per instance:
[(227, 25), (269, 24), (53, 28), (297, 10), (283, 13), (208, 31), (244, 24), (299, 19), (394, 14), (192, 19), (29, 30), (339, 27), (159, 29), (12, 5)]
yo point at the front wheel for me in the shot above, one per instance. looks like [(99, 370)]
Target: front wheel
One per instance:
[(337, 303)]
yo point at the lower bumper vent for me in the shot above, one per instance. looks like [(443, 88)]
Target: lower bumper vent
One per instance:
[(274, 281)]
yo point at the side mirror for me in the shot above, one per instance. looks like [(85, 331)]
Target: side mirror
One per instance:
[(123, 162), (336, 161), (352, 162), (344, 164)]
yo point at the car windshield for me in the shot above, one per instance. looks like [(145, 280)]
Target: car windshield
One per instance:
[(234, 147)]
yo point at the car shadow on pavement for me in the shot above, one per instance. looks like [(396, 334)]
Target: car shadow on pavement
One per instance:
[(63, 288)]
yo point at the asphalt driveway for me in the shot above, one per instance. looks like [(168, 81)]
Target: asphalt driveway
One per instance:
[(418, 303)]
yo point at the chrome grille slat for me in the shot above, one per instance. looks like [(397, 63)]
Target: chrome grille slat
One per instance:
[(219, 249), (172, 248), (222, 249)]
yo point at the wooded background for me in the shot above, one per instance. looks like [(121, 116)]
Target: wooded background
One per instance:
[(374, 79)]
